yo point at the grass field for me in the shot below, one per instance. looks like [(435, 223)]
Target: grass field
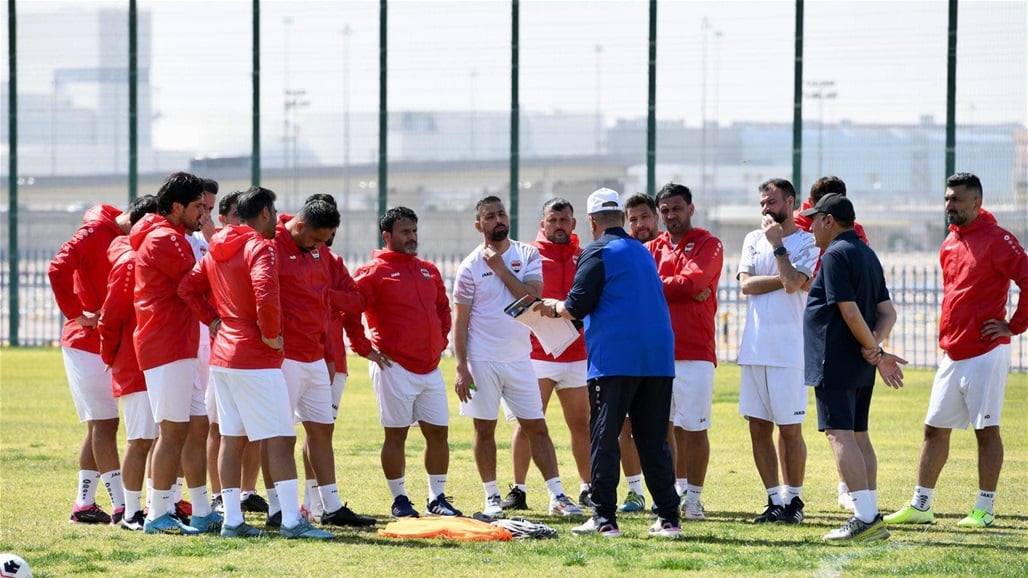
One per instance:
[(40, 434)]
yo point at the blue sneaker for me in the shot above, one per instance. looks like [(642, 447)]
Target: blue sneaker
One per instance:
[(168, 525), (243, 530), (402, 508), (304, 530), (211, 523)]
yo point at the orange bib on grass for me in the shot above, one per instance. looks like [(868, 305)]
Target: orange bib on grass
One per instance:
[(462, 529)]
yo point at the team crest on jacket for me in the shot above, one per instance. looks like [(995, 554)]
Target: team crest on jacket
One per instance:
[(316, 255), (515, 266), (688, 247), (425, 273)]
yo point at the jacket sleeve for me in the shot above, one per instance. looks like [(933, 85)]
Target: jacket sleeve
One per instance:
[(172, 255), (264, 276), (442, 306), (352, 325), (1012, 257), (117, 308), (62, 273), (344, 295), (697, 273), (194, 289)]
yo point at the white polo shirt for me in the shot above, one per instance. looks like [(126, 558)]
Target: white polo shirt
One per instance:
[(493, 335), (774, 321)]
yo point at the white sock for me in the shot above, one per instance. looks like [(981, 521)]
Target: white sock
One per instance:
[(329, 495), (273, 504), (522, 487), (233, 502), (177, 489), (922, 499), (843, 488), (133, 503), (584, 487), (310, 489), (243, 495), (775, 494), (112, 482), (863, 506), (87, 488), (635, 484), (681, 485), (874, 498), (436, 485), (289, 500), (491, 489), (159, 504), (201, 504), (792, 492), (397, 487), (555, 487), (985, 500), (692, 493)]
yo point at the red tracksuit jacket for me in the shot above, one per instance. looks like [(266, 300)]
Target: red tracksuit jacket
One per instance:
[(303, 280), (686, 271), (559, 262), (344, 298), (118, 321)]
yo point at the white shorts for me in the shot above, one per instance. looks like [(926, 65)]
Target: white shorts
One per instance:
[(338, 385), (203, 358), (210, 399), (775, 394), (969, 391), (253, 403), (174, 392), (405, 397), (693, 395), (139, 423), (566, 374), (90, 385), (514, 383), (310, 392)]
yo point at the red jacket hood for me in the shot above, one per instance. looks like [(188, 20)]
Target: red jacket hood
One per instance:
[(119, 246), (102, 213), (984, 218), (558, 250), (147, 224), (229, 241)]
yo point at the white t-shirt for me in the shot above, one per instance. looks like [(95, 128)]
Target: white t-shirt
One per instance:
[(493, 335), (199, 244), (774, 321)]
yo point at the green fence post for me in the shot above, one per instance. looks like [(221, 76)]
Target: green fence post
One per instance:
[(12, 175), (797, 103), (515, 124)]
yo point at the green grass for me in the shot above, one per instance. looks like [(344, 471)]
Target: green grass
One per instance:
[(40, 435)]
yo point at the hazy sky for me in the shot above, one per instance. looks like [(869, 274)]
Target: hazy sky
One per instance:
[(887, 59)]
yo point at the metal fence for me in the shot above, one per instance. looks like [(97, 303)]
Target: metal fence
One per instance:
[(916, 292)]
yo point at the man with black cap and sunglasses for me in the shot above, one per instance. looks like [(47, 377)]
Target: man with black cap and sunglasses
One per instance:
[(848, 307)]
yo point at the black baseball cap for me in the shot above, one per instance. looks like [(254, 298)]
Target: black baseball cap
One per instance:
[(835, 205)]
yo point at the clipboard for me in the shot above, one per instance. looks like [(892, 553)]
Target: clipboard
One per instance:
[(555, 335)]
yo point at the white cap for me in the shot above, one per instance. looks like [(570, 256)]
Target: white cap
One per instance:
[(603, 200)]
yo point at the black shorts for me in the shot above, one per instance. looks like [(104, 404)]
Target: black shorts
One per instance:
[(845, 409)]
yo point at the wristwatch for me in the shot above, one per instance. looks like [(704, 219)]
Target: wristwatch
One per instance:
[(555, 314), (781, 251)]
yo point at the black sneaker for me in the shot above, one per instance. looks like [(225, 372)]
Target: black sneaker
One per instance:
[(346, 517), (91, 514), (515, 500), (585, 500), (274, 520), (793, 512), (134, 523), (402, 508), (772, 512), (218, 505), (255, 503)]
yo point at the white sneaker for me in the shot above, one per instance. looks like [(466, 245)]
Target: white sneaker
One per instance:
[(665, 529), (493, 506), (563, 506), (597, 525), (693, 510), (846, 501)]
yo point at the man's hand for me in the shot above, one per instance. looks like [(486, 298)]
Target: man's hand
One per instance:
[(87, 320), (381, 359), (493, 259), (702, 295), (772, 231), (890, 370), (872, 355), (993, 329), (463, 384), (546, 307), (275, 343), (213, 327)]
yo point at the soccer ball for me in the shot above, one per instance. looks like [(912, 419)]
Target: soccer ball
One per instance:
[(14, 566)]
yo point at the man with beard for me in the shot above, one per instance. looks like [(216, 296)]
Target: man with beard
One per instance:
[(689, 261), (493, 352), (643, 226), (777, 260), (559, 249), (167, 339), (979, 259), (408, 316)]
